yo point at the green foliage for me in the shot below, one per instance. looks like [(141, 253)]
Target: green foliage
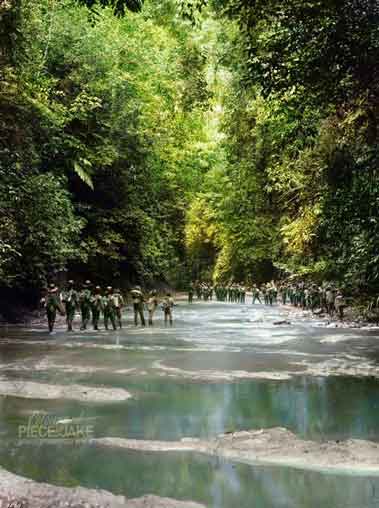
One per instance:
[(114, 111), (328, 47), (300, 121), (228, 138), (39, 231), (310, 136)]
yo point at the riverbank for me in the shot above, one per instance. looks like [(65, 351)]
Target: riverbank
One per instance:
[(277, 446), (18, 491), (353, 317)]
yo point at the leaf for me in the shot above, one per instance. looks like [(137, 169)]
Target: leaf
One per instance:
[(83, 175)]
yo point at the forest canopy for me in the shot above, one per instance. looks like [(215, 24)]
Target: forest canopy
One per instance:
[(175, 140)]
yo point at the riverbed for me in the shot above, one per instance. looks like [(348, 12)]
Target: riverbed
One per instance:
[(235, 405)]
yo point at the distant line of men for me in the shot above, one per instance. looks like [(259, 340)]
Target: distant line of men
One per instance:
[(325, 298), (205, 291), (93, 302)]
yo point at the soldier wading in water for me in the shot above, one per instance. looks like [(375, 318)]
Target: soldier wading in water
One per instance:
[(96, 307), (109, 309), (70, 300), (52, 303), (138, 301), (152, 305), (167, 305), (119, 304), (85, 304)]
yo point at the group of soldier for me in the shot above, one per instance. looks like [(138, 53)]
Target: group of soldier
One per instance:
[(206, 291), (325, 298), (94, 302)]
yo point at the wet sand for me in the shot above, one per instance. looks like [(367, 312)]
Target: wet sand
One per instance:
[(15, 489), (273, 446), (32, 390)]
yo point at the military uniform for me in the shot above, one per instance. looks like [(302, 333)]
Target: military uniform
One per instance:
[(97, 306), (152, 305), (167, 306), (137, 298), (190, 293), (71, 301), (109, 309), (119, 304), (52, 304), (283, 294), (329, 297), (198, 290), (255, 292), (340, 304), (85, 305)]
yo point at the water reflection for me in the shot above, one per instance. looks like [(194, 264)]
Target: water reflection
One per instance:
[(217, 484), (314, 408)]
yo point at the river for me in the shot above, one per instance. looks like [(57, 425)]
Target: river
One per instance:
[(222, 369)]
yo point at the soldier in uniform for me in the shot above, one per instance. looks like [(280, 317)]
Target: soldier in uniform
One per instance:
[(138, 301), (109, 308), (70, 300), (85, 304), (283, 293), (119, 304), (255, 294), (52, 303), (152, 305), (314, 295), (96, 307), (340, 304), (198, 290), (264, 294), (329, 296), (167, 305), (190, 293), (270, 295)]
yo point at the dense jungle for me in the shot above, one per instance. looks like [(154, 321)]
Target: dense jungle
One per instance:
[(175, 140)]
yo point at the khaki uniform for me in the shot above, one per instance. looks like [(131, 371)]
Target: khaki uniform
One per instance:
[(52, 303), (85, 307), (97, 306), (137, 299), (167, 305), (119, 304), (109, 311), (152, 305), (71, 301)]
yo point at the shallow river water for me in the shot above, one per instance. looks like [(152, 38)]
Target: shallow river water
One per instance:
[(222, 368)]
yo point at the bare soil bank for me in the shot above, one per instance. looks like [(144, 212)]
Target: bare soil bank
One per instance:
[(277, 446), (16, 489)]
